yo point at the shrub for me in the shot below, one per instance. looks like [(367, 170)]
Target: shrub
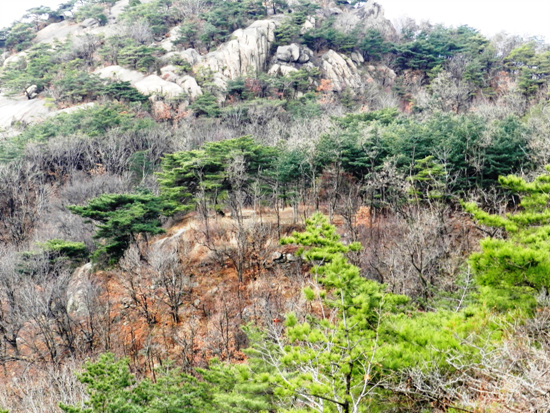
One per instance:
[(207, 105)]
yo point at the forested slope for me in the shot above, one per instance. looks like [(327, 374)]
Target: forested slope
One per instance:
[(245, 206)]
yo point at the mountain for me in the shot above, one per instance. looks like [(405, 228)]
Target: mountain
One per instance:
[(247, 206)]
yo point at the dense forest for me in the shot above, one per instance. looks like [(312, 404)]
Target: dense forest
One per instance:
[(271, 206)]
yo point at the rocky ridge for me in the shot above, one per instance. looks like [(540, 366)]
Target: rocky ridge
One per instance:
[(248, 52)]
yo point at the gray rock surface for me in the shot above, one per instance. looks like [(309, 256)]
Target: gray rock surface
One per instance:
[(168, 44), (31, 92), (365, 16), (120, 73), (357, 58), (281, 70), (72, 109), (154, 84), (14, 58), (308, 24), (168, 69), (78, 290), (341, 71), (89, 23), (21, 109), (57, 31), (248, 51), (190, 86), (190, 56), (287, 54)]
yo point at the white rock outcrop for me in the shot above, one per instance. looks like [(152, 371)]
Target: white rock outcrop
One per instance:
[(168, 44), (248, 51), (21, 109), (281, 70), (341, 71), (14, 58), (365, 15), (293, 53), (72, 109), (120, 73), (154, 84), (78, 291), (190, 56), (190, 86), (290, 53), (57, 31), (168, 69)]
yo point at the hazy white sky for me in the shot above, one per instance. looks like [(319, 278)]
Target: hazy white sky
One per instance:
[(15, 9), (524, 17)]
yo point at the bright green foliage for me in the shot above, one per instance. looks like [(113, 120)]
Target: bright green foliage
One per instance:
[(156, 13), (19, 36), (428, 183), (93, 121), (347, 148), (234, 389), (533, 68), (124, 91), (476, 153), (338, 361), (327, 37), (520, 56), (373, 46), (76, 85), (112, 388), (138, 57), (305, 107), (120, 218), (237, 88), (108, 385), (39, 69), (354, 120), (328, 361), (53, 256), (112, 46), (207, 105), (289, 30), (189, 176), (188, 34), (173, 391), (521, 261), (228, 16), (430, 48), (75, 252), (92, 11), (288, 86)]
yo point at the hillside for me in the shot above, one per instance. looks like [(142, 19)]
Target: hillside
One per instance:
[(245, 206)]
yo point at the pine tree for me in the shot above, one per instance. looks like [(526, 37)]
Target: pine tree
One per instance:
[(519, 263), (112, 388), (120, 218), (329, 362)]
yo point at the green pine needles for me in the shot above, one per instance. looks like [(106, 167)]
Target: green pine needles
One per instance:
[(519, 263), (346, 353), (330, 360), (120, 218)]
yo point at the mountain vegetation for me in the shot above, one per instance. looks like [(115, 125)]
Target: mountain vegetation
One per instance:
[(278, 206)]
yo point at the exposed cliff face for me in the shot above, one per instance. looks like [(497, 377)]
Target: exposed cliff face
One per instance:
[(365, 16), (341, 71), (247, 52), (20, 109), (120, 73)]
